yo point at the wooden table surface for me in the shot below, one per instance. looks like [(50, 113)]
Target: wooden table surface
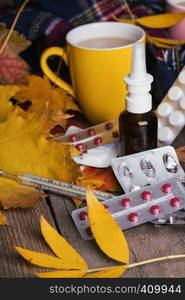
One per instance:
[(145, 241)]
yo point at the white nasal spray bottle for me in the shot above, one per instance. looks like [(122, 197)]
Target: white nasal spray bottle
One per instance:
[(138, 124)]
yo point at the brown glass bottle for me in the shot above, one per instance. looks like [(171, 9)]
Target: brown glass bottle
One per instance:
[(138, 132)]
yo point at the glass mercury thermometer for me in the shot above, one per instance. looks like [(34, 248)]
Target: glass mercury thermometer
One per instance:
[(54, 186)]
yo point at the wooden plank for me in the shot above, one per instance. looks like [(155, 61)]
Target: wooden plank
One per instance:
[(150, 241), (24, 231)]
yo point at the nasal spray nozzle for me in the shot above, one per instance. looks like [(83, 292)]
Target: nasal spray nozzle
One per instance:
[(138, 99)]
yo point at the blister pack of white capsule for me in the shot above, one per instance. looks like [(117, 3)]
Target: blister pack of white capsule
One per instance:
[(91, 137), (138, 207), (171, 112), (148, 167)]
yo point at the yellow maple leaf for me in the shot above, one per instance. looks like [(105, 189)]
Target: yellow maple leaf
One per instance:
[(62, 274), (43, 95), (24, 149), (60, 247), (106, 230), (3, 220), (97, 179), (6, 92), (68, 260)]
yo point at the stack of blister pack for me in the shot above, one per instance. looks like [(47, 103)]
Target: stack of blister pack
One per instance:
[(148, 197)]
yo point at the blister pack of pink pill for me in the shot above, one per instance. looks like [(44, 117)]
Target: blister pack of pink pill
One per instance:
[(148, 167), (171, 112), (92, 137), (138, 207)]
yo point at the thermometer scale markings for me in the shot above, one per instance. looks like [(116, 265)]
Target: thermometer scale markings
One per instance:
[(54, 185)]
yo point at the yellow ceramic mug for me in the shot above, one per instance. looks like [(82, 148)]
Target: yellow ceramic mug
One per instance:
[(96, 73)]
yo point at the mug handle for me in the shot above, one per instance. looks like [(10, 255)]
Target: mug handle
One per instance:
[(51, 75)]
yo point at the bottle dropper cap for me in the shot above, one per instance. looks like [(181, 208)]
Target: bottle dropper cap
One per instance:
[(138, 99)]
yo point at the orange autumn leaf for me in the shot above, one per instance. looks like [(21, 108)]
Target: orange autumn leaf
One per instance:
[(106, 231), (25, 149), (17, 42), (43, 95), (99, 178), (102, 179), (13, 194), (13, 69), (6, 92), (3, 220)]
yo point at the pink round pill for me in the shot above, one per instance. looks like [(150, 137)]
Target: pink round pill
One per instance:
[(175, 202), (98, 141), (106, 207), (83, 215), (91, 132), (133, 217), (125, 202), (109, 126), (73, 138), (80, 147), (146, 195), (155, 209), (167, 188), (115, 134)]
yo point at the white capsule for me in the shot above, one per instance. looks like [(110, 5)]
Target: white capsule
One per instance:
[(165, 134), (182, 103), (164, 109), (181, 77), (176, 119), (159, 124), (175, 93)]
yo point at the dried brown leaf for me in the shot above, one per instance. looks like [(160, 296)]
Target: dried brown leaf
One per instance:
[(17, 42), (13, 69)]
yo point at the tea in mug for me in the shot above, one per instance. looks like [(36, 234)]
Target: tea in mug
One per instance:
[(105, 42), (181, 3)]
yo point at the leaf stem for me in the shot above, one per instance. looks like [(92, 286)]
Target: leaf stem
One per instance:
[(129, 10), (144, 262), (13, 26), (155, 260)]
